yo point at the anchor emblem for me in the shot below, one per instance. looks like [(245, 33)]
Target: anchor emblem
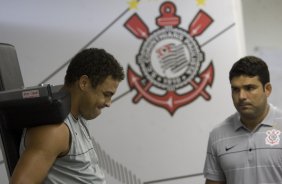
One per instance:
[(170, 60)]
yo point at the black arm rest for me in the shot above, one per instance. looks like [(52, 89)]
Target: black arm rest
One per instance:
[(34, 106)]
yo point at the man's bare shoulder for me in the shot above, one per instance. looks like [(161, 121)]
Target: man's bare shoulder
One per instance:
[(52, 137), (42, 144)]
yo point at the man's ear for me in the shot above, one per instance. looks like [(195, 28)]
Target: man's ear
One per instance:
[(84, 82), (267, 89)]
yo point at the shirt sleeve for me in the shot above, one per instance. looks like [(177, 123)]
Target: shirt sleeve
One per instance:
[(212, 168)]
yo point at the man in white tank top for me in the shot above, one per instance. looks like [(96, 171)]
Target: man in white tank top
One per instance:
[(64, 153)]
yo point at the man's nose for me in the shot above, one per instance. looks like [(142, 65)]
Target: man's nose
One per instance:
[(108, 103), (242, 94)]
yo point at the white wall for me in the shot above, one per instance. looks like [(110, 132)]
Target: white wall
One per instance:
[(143, 138), (262, 24)]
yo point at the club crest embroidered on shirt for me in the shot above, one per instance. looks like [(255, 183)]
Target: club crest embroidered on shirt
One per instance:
[(272, 137)]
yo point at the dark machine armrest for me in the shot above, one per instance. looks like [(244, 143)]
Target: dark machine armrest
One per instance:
[(34, 106)]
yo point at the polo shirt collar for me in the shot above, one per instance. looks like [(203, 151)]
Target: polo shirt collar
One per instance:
[(268, 120)]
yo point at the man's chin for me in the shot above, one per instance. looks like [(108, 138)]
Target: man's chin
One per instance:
[(93, 116), (96, 114), (248, 113)]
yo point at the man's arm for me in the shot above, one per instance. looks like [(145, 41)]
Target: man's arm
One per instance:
[(214, 182), (43, 145)]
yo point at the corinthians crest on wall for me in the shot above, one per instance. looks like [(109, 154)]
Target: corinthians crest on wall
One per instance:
[(170, 60)]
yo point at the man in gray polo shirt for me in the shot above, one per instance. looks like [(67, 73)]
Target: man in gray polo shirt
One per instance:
[(245, 148)]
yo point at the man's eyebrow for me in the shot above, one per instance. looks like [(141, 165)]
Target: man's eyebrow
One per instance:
[(245, 85)]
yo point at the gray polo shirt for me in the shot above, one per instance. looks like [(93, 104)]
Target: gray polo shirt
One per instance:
[(238, 156)]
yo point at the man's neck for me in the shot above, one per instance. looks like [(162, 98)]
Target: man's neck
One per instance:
[(74, 100)]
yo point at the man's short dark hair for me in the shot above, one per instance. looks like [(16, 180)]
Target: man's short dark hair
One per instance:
[(250, 66), (97, 64)]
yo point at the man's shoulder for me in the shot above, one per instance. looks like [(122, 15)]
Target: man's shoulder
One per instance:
[(276, 110), (47, 133), (50, 138), (227, 122), (226, 127)]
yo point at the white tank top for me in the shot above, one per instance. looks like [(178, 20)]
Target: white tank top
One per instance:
[(80, 165)]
